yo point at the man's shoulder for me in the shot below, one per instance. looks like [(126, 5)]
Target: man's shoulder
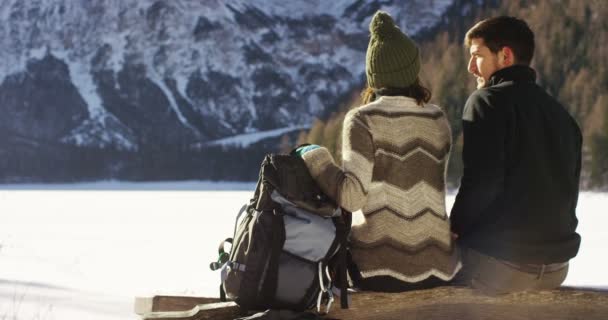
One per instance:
[(493, 94), (483, 101)]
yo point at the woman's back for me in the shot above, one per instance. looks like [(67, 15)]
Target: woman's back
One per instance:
[(395, 151), (406, 233)]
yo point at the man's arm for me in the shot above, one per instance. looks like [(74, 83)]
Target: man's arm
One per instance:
[(483, 155)]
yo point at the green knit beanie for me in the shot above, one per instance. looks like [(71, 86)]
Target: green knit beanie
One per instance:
[(392, 58)]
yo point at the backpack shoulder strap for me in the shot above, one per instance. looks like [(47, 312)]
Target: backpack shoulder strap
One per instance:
[(343, 231), (269, 287)]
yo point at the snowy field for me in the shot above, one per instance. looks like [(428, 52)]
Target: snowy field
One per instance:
[(72, 254)]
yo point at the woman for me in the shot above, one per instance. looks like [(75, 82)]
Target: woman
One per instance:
[(395, 154)]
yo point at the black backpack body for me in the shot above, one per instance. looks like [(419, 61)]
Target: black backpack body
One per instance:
[(289, 246)]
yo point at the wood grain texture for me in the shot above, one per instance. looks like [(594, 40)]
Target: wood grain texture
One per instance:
[(440, 303), (169, 303)]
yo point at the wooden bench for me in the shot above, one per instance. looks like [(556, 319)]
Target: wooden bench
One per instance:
[(439, 303)]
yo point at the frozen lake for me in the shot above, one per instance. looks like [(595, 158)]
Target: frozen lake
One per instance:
[(85, 254)]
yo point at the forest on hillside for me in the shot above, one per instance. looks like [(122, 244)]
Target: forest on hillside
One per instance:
[(570, 61)]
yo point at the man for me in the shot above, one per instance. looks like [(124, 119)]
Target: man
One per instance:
[(514, 215)]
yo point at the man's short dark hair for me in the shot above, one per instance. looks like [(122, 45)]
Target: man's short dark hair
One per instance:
[(503, 31)]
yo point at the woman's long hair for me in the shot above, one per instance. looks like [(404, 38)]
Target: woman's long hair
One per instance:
[(416, 91)]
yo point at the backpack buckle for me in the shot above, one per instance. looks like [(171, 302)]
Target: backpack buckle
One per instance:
[(221, 260)]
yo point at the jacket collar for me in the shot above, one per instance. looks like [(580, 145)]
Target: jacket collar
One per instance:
[(516, 73)]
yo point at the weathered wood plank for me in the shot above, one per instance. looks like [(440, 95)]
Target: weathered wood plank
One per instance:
[(168, 303), (217, 311), (181, 307), (462, 303), (439, 303)]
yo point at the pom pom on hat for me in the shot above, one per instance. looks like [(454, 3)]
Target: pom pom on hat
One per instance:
[(383, 26), (392, 58)]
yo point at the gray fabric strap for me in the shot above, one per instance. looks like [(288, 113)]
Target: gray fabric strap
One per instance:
[(229, 266), (238, 216)]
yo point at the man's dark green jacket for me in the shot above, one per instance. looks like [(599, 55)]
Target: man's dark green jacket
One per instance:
[(522, 162)]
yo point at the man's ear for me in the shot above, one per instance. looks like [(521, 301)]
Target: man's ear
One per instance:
[(506, 58)]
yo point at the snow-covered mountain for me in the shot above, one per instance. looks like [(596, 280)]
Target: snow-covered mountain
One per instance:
[(126, 74)]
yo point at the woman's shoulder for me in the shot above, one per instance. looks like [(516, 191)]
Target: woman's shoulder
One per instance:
[(434, 109), (398, 105)]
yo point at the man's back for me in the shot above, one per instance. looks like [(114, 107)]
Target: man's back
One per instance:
[(522, 164)]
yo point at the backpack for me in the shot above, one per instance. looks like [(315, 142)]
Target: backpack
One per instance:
[(289, 243)]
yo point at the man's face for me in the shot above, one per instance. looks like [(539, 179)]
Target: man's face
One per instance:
[(483, 62)]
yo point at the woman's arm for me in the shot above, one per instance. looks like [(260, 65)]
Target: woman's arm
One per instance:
[(349, 185)]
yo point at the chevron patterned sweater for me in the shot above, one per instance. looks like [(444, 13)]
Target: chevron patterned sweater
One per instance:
[(394, 159)]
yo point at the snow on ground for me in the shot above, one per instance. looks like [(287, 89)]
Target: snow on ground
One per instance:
[(68, 254), (113, 185)]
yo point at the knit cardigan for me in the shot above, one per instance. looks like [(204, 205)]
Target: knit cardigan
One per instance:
[(394, 160)]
